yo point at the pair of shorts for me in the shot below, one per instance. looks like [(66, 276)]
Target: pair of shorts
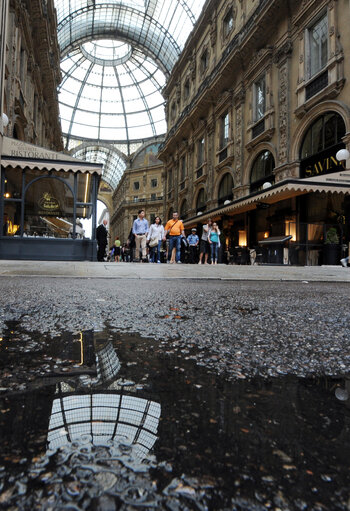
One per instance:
[(117, 251), (204, 247)]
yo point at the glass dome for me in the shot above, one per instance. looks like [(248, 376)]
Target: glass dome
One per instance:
[(115, 58), (111, 92)]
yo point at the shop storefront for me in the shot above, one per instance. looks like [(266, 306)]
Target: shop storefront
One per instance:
[(304, 221), (44, 196)]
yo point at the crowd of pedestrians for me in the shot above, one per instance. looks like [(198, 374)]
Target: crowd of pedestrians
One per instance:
[(156, 243)]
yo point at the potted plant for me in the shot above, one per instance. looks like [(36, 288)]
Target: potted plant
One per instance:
[(331, 251)]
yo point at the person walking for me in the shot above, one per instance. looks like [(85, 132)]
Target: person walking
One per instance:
[(175, 229), (155, 239), (131, 245), (101, 237), (140, 230), (214, 242), (193, 242), (204, 246), (117, 250)]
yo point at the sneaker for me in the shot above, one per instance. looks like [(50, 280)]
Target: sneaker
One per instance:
[(158, 262), (344, 262), (178, 262)]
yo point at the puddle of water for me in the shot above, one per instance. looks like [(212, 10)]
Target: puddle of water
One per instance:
[(148, 430)]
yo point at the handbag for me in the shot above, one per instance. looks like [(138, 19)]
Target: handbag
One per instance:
[(153, 242)]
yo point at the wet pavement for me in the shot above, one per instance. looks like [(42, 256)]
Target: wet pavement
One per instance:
[(174, 395), (146, 430)]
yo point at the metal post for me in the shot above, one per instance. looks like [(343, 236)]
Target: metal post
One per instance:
[(2, 198), (94, 205), (22, 203), (75, 204)]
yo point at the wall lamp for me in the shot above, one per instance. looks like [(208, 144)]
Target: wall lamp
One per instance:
[(5, 120)]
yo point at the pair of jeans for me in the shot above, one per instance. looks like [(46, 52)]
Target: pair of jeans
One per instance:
[(154, 250), (175, 242), (214, 251)]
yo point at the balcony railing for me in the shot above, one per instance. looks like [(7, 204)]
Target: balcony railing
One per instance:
[(199, 173), (316, 85), (223, 155), (258, 128)]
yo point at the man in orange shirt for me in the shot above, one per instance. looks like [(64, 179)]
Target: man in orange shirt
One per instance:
[(175, 229)]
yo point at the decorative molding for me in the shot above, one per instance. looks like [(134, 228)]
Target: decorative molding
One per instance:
[(238, 143), (258, 61), (266, 136), (283, 113), (239, 96), (213, 29), (283, 52)]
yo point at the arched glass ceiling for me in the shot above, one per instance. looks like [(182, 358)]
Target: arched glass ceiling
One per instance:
[(115, 59), (113, 161), (117, 101)]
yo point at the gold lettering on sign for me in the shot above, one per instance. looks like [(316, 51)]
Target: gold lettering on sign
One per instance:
[(322, 166), (48, 202)]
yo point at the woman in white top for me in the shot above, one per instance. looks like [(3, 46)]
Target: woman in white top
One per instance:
[(156, 233)]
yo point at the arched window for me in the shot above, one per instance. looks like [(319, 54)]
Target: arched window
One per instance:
[(225, 189), (325, 132), (262, 171), (201, 200), (183, 210), (48, 207)]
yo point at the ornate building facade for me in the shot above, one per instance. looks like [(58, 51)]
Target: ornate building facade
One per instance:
[(257, 110), (32, 74), (44, 193), (141, 187), (3, 23)]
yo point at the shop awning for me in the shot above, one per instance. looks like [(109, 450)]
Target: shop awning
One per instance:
[(338, 182), (16, 153)]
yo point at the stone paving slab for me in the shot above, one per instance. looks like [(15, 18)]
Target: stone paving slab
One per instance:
[(86, 269)]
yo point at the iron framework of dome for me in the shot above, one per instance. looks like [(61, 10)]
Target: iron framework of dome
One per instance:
[(112, 159), (115, 57)]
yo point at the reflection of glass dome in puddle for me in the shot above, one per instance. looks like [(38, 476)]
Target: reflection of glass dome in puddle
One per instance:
[(107, 363), (102, 417)]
